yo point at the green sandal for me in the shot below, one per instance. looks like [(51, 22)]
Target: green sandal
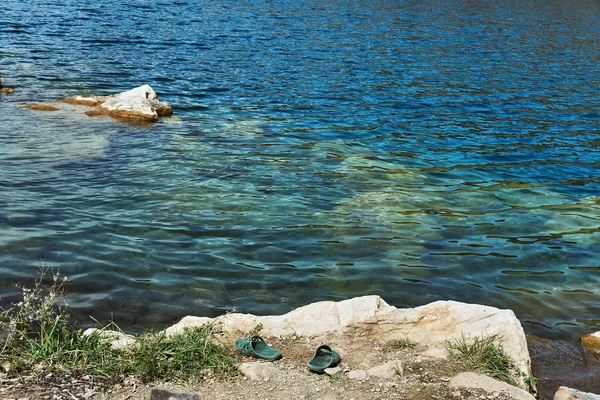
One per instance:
[(257, 347), (324, 358)]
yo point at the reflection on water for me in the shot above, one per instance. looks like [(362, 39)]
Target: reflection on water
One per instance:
[(419, 151)]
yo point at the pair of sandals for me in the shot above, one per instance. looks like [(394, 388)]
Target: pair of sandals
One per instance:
[(325, 357)]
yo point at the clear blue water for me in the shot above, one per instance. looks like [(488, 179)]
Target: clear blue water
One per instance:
[(419, 150)]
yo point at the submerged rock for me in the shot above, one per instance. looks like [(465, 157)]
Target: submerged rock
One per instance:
[(140, 103), (6, 90), (40, 107), (90, 101)]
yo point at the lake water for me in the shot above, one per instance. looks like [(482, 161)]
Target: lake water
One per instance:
[(418, 150)]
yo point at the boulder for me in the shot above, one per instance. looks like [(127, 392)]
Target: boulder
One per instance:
[(431, 325), (565, 393), (472, 380), (140, 104)]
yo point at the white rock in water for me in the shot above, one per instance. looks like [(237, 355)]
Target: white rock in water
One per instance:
[(140, 103)]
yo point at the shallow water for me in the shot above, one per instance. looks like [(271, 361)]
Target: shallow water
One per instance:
[(416, 150)]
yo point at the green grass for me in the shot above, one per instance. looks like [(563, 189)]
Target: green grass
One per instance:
[(37, 333), (404, 343), (182, 357), (485, 355)]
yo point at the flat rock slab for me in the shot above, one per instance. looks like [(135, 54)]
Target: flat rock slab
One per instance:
[(472, 380), (565, 393), (159, 394)]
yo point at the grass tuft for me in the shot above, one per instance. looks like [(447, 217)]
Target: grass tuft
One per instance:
[(404, 343), (37, 333), (485, 355), (182, 357)]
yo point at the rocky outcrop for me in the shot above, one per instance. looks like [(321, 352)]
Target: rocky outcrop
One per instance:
[(136, 105), (472, 380), (140, 103), (565, 393), (432, 325)]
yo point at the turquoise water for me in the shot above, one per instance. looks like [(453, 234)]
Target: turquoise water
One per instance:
[(416, 150)]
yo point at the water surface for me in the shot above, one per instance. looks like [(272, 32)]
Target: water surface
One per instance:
[(418, 150)]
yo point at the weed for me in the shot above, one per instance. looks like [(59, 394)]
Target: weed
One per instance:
[(181, 357), (404, 343), (256, 330), (484, 355), (339, 377), (40, 334)]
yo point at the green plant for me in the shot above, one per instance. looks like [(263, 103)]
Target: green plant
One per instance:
[(180, 357), (339, 377), (256, 330), (484, 355), (404, 343), (40, 333)]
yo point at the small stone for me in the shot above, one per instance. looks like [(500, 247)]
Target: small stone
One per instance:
[(332, 371)]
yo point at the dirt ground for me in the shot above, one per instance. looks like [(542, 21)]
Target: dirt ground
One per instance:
[(422, 378)]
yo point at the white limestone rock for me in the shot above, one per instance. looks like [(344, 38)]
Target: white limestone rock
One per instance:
[(140, 103), (472, 380), (431, 325), (565, 393)]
